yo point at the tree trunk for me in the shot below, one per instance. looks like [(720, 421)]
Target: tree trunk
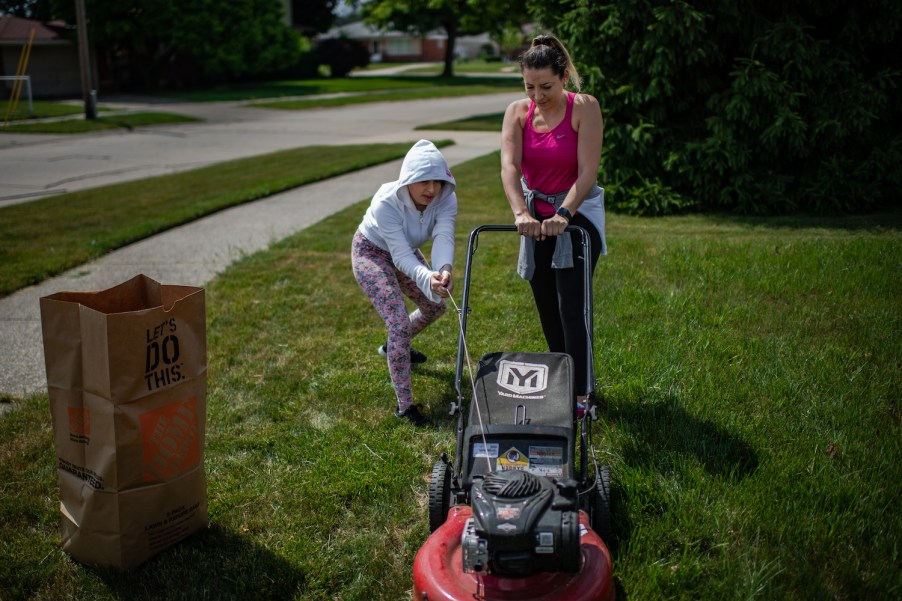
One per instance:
[(451, 30)]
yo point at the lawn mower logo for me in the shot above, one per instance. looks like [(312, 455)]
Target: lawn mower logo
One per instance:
[(522, 378)]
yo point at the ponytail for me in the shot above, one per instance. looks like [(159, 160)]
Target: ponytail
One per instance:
[(547, 52)]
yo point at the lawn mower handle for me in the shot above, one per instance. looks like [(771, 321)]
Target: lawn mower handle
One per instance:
[(465, 309)]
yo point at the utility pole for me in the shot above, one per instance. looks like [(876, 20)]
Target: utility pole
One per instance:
[(84, 59)]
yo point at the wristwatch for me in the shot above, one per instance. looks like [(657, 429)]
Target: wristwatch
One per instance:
[(565, 214)]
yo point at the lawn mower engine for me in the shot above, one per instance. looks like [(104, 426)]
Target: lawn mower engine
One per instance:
[(522, 524)]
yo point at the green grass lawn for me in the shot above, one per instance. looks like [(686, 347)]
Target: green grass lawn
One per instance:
[(751, 409), (37, 239), (359, 89), (42, 109), (489, 122), (339, 85), (382, 96), (80, 126)]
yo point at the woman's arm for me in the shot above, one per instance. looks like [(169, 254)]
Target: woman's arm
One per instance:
[(511, 155), (590, 130)]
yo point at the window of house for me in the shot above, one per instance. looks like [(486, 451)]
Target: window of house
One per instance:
[(396, 46)]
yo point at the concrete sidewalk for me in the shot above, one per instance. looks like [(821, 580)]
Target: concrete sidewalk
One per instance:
[(194, 253)]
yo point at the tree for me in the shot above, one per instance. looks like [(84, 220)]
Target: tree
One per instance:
[(38, 10), (342, 55), (162, 42), (755, 107), (313, 16), (455, 17), (236, 39), (511, 40)]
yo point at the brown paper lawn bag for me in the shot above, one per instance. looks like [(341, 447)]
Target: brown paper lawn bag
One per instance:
[(126, 374)]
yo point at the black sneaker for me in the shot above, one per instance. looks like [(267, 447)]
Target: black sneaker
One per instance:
[(415, 355), (414, 416)]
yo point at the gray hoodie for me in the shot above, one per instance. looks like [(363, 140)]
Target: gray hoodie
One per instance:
[(393, 223)]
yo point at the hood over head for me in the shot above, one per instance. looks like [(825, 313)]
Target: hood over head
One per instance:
[(424, 162), (394, 223)]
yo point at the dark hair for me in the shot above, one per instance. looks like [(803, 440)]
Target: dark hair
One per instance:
[(547, 52)]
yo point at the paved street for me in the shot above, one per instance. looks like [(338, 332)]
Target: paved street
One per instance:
[(39, 165), (36, 165)]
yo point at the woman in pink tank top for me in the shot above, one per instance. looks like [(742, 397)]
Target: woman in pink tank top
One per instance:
[(550, 152)]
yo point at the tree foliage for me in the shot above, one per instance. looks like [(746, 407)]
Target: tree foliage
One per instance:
[(171, 42), (342, 55), (756, 107), (26, 9), (455, 17), (313, 16), (244, 38)]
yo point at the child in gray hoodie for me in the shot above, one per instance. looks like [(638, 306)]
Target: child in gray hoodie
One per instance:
[(385, 254)]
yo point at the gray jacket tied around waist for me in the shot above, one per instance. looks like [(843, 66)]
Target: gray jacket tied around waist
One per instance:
[(563, 248)]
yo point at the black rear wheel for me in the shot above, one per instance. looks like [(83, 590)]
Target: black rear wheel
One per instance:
[(439, 494), (601, 505)]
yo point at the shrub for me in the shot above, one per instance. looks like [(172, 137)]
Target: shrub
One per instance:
[(307, 64), (753, 107), (342, 55)]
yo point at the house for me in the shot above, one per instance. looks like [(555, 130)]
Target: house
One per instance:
[(52, 62), (396, 46)]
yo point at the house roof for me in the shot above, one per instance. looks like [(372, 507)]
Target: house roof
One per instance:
[(358, 30), (15, 30)]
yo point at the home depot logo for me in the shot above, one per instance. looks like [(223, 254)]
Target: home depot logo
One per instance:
[(170, 440), (79, 425), (522, 378)]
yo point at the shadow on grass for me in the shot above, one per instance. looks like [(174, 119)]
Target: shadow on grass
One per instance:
[(214, 564), (658, 436), (660, 431)]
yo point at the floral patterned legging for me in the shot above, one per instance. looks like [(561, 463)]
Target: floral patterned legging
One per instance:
[(384, 284)]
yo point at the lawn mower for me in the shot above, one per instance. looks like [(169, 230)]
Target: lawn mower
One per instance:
[(516, 516)]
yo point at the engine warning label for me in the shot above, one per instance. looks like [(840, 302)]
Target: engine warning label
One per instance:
[(546, 461), (513, 459), (541, 460)]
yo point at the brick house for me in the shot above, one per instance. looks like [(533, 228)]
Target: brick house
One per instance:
[(396, 46)]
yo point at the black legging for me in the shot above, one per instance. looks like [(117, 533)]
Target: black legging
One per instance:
[(560, 299)]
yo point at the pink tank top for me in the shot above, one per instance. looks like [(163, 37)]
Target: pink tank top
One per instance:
[(549, 161)]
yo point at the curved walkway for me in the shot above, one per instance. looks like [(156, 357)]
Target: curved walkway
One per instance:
[(194, 253)]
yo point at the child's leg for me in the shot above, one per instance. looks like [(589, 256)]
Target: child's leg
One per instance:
[(376, 274)]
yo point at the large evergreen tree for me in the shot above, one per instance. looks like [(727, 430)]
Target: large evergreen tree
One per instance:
[(755, 107)]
